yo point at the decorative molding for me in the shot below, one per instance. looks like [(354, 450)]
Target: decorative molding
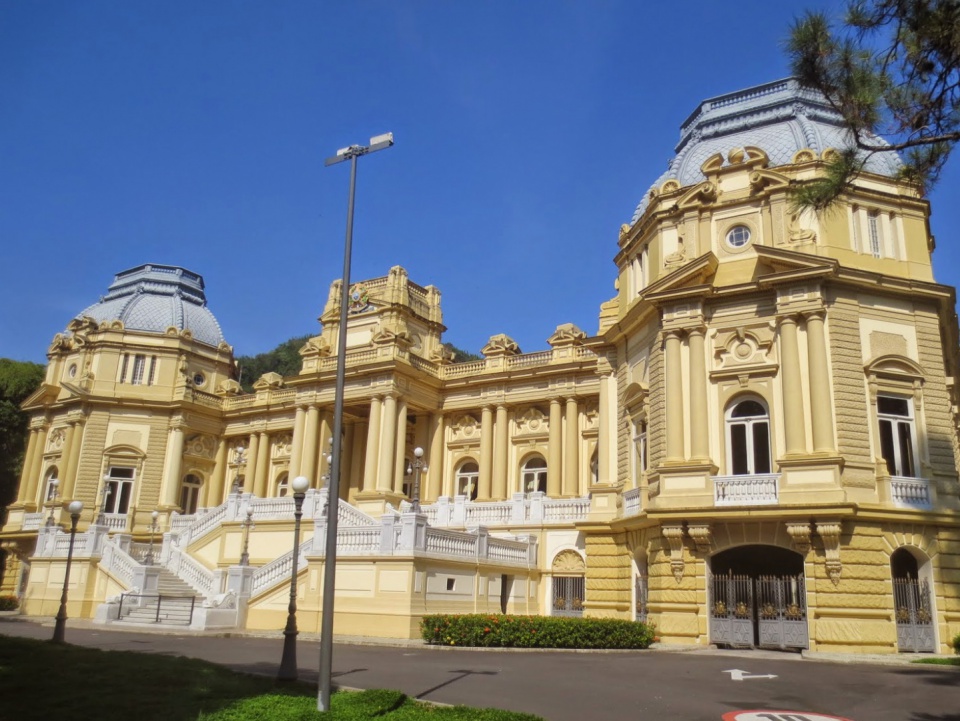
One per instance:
[(568, 561), (674, 536), (702, 536), (800, 533), (830, 535)]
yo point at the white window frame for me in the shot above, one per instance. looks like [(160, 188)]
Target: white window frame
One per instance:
[(466, 481), (190, 493), (139, 366), (748, 422), (640, 451), (51, 484), (533, 475), (896, 422), (875, 233), (121, 488)]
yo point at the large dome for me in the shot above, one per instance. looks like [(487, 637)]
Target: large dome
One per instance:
[(780, 118), (153, 298)]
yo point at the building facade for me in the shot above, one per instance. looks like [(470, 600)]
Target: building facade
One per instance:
[(758, 446)]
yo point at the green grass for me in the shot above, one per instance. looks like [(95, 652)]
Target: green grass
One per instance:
[(955, 661), (42, 680)]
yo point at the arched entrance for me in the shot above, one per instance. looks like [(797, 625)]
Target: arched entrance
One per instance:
[(913, 608), (758, 598)]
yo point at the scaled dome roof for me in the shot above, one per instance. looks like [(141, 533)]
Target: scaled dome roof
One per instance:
[(780, 118), (153, 298)]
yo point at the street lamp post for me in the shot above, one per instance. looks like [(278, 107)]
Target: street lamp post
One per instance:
[(75, 508), (351, 153), (415, 467), (52, 496), (148, 559), (288, 662), (237, 460), (247, 524)]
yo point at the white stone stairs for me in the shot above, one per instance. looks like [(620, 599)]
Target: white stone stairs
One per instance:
[(174, 606)]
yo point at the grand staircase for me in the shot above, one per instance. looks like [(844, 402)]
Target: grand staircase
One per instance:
[(172, 605)]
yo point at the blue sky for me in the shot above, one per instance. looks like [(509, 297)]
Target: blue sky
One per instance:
[(194, 134)]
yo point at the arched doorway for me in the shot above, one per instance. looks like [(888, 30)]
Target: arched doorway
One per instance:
[(758, 598), (912, 603)]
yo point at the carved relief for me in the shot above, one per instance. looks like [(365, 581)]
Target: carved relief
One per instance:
[(56, 439), (500, 345), (282, 445), (830, 535), (678, 256), (702, 537), (591, 415), (269, 381), (238, 453), (568, 562), (800, 533), (532, 420), (798, 234), (674, 536), (200, 445), (745, 345), (466, 427), (566, 334)]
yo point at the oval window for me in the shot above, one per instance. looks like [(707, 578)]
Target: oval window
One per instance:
[(738, 236)]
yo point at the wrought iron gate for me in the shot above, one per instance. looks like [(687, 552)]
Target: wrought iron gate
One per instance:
[(568, 595), (769, 611), (640, 589), (911, 601)]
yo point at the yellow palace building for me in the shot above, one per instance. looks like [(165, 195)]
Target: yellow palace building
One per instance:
[(756, 447)]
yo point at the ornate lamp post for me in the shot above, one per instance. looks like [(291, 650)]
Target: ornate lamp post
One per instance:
[(288, 662), (52, 497), (148, 559), (237, 461), (247, 524), (351, 153), (75, 508), (415, 467)]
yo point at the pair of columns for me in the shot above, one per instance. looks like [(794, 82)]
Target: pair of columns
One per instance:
[(697, 391), (818, 373), (384, 458), (68, 463)]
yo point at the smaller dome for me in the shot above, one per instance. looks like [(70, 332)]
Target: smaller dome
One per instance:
[(152, 298)]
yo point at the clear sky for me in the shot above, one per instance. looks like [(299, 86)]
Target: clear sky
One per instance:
[(194, 133)]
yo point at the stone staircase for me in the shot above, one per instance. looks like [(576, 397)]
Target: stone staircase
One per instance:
[(173, 604)]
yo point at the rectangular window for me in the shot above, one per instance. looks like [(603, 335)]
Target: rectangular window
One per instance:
[(738, 450), (119, 489), (139, 362), (123, 368), (873, 226), (897, 435), (640, 460), (153, 370)]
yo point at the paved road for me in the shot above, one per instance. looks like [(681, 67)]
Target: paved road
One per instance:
[(576, 686)]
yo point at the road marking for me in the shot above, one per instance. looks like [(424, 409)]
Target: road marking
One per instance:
[(761, 715), (737, 675)]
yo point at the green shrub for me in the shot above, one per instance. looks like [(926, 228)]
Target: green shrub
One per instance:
[(534, 631), (9, 603), (956, 644)]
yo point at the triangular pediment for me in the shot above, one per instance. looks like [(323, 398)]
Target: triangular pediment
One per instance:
[(40, 397), (691, 279), (777, 264)]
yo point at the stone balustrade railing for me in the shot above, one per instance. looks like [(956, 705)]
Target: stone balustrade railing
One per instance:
[(32, 521), (910, 492), (522, 509), (279, 569), (117, 562), (197, 575), (756, 490), (631, 502)]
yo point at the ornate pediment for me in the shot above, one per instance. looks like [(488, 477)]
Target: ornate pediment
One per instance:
[(269, 381), (466, 427), (316, 346), (566, 334), (532, 420), (200, 445), (568, 561), (500, 345), (229, 387), (282, 445), (743, 345)]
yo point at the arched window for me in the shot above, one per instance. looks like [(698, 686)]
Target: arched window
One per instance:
[(52, 485), (467, 477), (282, 487), (748, 438), (534, 475), (190, 494), (898, 438)]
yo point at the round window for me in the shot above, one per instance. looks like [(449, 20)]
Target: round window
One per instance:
[(199, 379), (738, 236), (72, 370)]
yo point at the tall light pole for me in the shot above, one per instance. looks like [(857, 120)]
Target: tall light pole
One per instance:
[(148, 561), (247, 524), (58, 630), (415, 467), (351, 153), (288, 661)]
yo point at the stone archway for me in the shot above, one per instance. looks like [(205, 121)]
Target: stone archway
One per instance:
[(912, 601), (757, 598)]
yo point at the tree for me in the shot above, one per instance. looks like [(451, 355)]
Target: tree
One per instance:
[(893, 70), (460, 355), (284, 359), (17, 381)]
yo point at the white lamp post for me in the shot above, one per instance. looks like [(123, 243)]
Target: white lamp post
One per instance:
[(75, 508), (288, 662)]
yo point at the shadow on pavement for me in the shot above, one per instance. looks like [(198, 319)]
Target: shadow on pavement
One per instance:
[(463, 673)]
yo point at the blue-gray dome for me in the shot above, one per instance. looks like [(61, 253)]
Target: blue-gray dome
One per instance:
[(780, 118), (153, 298)]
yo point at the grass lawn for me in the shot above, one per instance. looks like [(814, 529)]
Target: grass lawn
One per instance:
[(955, 661), (41, 680)]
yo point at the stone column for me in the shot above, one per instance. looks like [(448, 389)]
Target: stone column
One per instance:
[(66, 461), (554, 471), (171, 468), (346, 459), (263, 466), (37, 463), (388, 442), (435, 474), (71, 481), (28, 486), (356, 456), (250, 470), (606, 434), (699, 420), (373, 446), (296, 444), (213, 491), (308, 456), (674, 397), (792, 384), (500, 454), (324, 448), (571, 448), (484, 487), (400, 468), (819, 371)]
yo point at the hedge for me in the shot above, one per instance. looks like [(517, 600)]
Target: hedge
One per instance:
[(9, 603), (956, 644), (535, 631)]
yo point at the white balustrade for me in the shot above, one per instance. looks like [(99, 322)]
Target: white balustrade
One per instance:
[(502, 549), (565, 510), (497, 513), (757, 490), (32, 521), (206, 523), (179, 523), (533, 508), (279, 568), (355, 541), (113, 521), (910, 492), (451, 543), (265, 509), (118, 563), (631, 502), (197, 575)]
